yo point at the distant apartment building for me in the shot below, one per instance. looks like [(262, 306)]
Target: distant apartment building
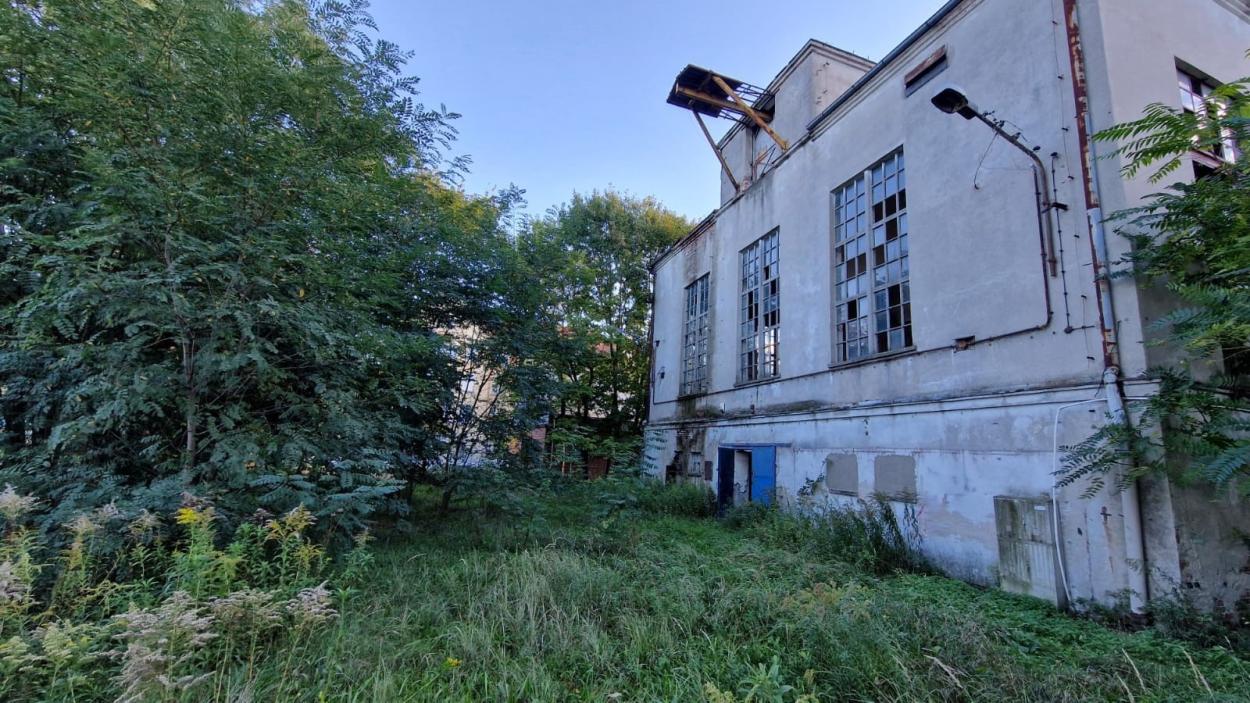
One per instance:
[(902, 292)]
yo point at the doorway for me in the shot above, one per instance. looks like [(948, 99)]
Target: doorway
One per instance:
[(745, 473)]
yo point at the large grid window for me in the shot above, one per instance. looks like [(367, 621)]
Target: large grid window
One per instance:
[(761, 310), (694, 342), (1195, 94), (872, 299)]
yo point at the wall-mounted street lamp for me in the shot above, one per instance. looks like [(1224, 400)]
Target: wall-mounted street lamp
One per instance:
[(953, 101)]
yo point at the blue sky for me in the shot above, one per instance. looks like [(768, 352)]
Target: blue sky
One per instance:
[(560, 96)]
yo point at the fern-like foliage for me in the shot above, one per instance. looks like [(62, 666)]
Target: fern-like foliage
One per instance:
[(1193, 239), (1164, 135)]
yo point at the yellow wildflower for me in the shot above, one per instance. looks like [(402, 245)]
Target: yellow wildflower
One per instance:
[(187, 516), (452, 662)]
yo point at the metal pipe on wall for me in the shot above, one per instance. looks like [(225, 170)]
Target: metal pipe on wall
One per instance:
[(1134, 545)]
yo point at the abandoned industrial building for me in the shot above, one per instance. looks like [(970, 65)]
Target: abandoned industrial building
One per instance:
[(902, 292)]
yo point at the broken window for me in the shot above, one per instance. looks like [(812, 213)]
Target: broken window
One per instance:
[(872, 289), (1196, 95), (694, 344), (761, 310)]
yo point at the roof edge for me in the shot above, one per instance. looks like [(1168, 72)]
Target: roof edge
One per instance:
[(811, 46), (881, 65), (702, 226)]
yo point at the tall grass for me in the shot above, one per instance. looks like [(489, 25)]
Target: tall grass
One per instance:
[(773, 608), (867, 535), (616, 593)]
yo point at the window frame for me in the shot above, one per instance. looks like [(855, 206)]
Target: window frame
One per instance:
[(696, 338), (1195, 89), (759, 285), (865, 264)]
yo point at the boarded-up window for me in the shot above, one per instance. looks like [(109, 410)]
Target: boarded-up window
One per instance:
[(694, 464), (894, 476), (925, 71), (842, 474)]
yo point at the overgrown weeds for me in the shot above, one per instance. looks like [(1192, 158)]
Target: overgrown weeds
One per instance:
[(692, 500), (576, 596), (582, 602), (133, 610), (1178, 616), (878, 536)]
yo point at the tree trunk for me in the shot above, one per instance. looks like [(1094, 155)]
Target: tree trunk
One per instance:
[(188, 371)]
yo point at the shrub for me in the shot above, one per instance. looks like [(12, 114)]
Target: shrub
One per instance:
[(1178, 616), (748, 514)]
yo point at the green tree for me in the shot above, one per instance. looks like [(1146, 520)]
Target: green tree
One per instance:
[(591, 256), (1194, 238), (229, 239)]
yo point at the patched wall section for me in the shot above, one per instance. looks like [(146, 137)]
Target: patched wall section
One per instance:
[(894, 477), (842, 474)]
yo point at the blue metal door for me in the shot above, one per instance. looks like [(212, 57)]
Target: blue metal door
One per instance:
[(763, 474)]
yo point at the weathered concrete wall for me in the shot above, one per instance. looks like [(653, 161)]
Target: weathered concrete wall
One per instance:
[(983, 421), (963, 453), (976, 266), (1132, 51)]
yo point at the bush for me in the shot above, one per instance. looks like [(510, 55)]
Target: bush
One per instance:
[(749, 514), (1178, 616)]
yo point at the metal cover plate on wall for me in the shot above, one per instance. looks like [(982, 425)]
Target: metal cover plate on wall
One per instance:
[(1027, 559)]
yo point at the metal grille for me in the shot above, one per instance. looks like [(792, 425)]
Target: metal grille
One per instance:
[(761, 310), (872, 305), (695, 339)]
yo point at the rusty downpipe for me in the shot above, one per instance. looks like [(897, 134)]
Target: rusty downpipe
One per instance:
[(1134, 546)]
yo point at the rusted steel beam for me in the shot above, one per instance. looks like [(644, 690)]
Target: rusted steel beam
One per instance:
[(713, 100), (750, 112), (719, 155)]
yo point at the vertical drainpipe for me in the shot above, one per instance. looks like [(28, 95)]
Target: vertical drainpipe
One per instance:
[(652, 347), (1134, 546)]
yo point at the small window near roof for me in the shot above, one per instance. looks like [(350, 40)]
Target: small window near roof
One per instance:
[(925, 71)]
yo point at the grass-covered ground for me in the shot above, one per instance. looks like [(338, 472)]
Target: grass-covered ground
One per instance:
[(558, 603)]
